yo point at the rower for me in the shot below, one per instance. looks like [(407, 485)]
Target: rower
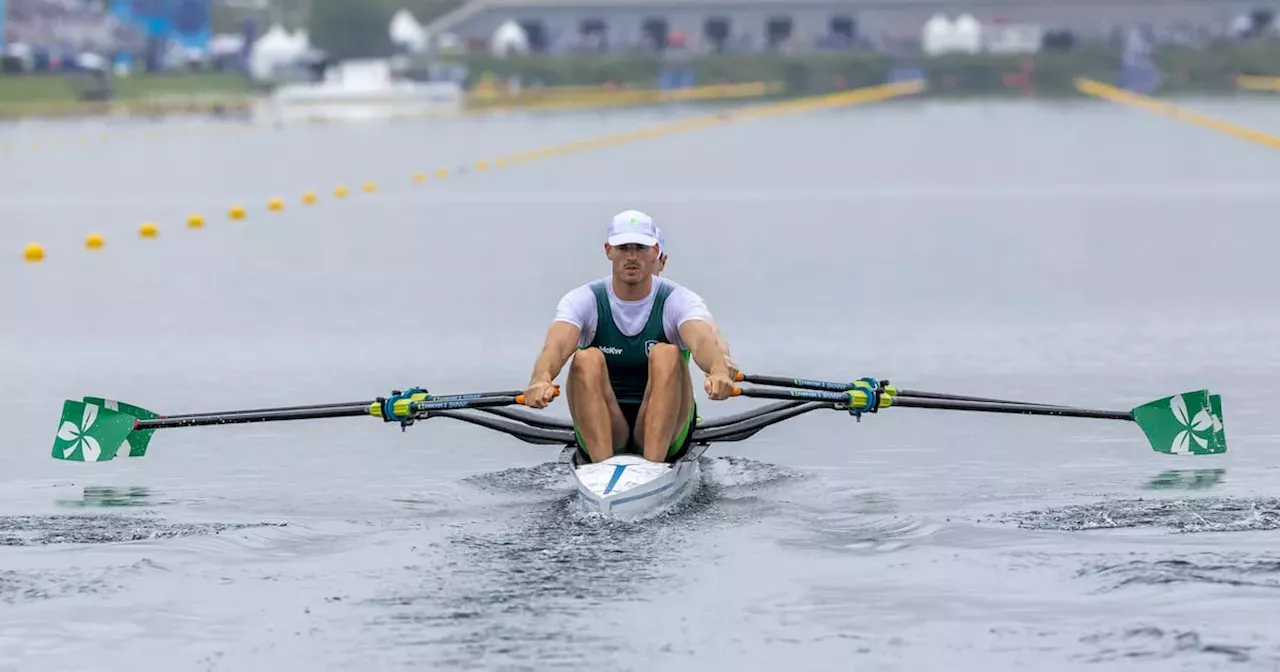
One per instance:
[(660, 265), (631, 335)]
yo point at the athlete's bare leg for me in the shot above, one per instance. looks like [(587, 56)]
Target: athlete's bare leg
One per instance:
[(667, 402), (593, 406)]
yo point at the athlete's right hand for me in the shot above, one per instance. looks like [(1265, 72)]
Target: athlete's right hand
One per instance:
[(539, 394)]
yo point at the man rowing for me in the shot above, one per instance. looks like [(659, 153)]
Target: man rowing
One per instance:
[(630, 336)]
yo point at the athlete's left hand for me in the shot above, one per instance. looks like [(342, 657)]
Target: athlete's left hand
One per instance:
[(732, 367), (718, 386)]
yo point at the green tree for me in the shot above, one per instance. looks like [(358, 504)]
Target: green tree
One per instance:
[(351, 29)]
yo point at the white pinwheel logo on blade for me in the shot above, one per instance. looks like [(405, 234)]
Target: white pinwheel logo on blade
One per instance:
[(77, 436), (1203, 421)]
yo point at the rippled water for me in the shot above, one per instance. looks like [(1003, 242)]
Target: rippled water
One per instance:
[(1081, 254)]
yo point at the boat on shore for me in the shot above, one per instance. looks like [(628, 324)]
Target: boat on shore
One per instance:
[(359, 90)]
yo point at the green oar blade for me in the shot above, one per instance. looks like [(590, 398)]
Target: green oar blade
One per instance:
[(1219, 430), (90, 432), (1182, 424), (136, 444)]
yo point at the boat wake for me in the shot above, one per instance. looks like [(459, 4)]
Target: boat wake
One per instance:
[(852, 522), (103, 529), (532, 581), (1151, 643), (1208, 568), (1181, 515), (537, 481), (725, 481)]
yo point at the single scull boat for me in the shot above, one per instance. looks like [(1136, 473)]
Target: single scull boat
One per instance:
[(95, 429)]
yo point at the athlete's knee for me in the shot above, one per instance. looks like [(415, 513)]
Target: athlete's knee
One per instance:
[(588, 364), (664, 355)]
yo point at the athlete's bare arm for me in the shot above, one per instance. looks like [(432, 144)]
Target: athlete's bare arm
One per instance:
[(724, 347), (709, 356), (559, 346)]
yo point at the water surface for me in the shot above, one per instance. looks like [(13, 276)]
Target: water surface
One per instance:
[(1085, 254)]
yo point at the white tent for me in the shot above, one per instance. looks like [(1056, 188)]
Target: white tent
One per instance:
[(941, 36), (301, 42), (968, 34), (935, 38), (509, 38), (407, 32), (274, 49)]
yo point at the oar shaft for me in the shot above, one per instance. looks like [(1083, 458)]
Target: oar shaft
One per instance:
[(939, 404), (797, 394), (1014, 408), (833, 386), (799, 383), (416, 408), (918, 394), (338, 405), (262, 415)]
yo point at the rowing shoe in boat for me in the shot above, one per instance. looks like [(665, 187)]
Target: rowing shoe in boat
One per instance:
[(96, 429)]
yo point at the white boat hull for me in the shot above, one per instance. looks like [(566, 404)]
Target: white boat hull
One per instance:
[(630, 487), (360, 90)]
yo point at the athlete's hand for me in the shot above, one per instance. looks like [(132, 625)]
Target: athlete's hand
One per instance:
[(719, 386), (539, 394), (732, 367)]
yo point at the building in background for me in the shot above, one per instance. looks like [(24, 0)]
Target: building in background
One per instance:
[(801, 25)]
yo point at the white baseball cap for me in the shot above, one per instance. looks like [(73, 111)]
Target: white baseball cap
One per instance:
[(633, 226)]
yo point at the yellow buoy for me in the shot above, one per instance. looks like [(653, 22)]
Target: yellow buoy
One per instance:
[(370, 187), (195, 222), (148, 230), (442, 173), (419, 177), (341, 192), (93, 241), (236, 212), (482, 165), (309, 198), (499, 162), (275, 205), (33, 252)]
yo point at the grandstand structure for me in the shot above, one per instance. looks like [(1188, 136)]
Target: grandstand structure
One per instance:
[(800, 25)]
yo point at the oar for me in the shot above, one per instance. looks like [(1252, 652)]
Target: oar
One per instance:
[(97, 429), (337, 405), (1183, 424), (830, 386)]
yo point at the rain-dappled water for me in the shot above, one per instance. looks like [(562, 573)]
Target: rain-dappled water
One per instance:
[(1082, 254)]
